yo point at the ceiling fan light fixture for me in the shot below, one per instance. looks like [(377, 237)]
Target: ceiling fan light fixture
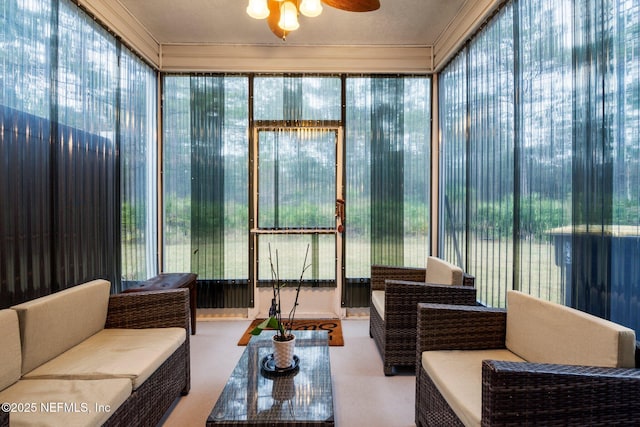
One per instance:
[(258, 9), (311, 8), (288, 16)]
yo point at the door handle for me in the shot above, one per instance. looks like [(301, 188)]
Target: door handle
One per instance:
[(340, 213)]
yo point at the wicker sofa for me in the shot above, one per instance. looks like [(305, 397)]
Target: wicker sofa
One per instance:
[(395, 294), (84, 357), (537, 363)]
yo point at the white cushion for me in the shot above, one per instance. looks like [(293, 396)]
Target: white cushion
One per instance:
[(442, 272), (377, 299), (10, 355), (53, 324), (115, 353), (88, 403), (545, 332), (458, 376)]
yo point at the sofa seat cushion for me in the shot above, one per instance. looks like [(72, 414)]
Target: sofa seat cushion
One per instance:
[(115, 353), (65, 402), (458, 376), (10, 354), (52, 324), (545, 332), (377, 299)]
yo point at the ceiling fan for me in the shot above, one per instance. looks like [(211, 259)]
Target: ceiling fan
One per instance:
[(282, 15)]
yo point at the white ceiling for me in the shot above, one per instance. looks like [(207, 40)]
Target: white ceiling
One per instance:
[(225, 22)]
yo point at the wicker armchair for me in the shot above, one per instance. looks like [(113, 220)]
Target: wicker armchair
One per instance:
[(395, 293), (519, 393)]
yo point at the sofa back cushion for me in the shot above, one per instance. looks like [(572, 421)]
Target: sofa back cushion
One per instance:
[(545, 332), (53, 324), (10, 356), (442, 272)]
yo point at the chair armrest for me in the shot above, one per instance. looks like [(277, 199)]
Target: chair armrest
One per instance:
[(460, 327), (381, 273), (543, 394), (150, 309)]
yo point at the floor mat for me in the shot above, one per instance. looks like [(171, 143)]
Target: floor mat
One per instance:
[(333, 326)]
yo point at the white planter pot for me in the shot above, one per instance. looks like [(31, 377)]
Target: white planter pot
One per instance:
[(283, 352)]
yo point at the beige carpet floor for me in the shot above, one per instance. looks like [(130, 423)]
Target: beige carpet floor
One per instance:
[(362, 395)]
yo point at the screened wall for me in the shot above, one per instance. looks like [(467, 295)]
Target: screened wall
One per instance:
[(388, 156), (539, 117), (208, 125), (205, 185), (72, 99)]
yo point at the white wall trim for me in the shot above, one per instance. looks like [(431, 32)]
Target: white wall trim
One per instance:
[(320, 59), (117, 18), (468, 20)]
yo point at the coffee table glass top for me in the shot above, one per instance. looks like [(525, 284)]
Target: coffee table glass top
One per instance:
[(301, 397)]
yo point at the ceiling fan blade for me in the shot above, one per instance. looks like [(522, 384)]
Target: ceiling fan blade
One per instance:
[(274, 18), (354, 5)]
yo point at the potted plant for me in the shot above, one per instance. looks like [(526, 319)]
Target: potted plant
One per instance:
[(283, 340)]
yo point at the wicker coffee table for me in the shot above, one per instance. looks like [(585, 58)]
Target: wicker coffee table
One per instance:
[(255, 397)]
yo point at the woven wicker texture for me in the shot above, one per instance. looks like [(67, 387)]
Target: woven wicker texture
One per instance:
[(4, 419), (520, 393), (395, 336)]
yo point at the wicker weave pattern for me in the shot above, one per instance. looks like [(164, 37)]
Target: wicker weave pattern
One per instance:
[(457, 327), (4, 419), (151, 309), (432, 409), (154, 309), (520, 393), (395, 336), (381, 273), (561, 395)]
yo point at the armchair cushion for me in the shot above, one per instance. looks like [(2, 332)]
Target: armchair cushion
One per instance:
[(442, 272), (458, 376), (545, 332), (377, 300)]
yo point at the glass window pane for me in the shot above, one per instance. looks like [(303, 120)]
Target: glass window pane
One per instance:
[(205, 176), (387, 157), (453, 161), (296, 178), (491, 142), (138, 172), (545, 139), (176, 183), (623, 111), (288, 256), (297, 98)]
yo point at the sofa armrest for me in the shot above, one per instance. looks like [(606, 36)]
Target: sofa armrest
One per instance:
[(152, 309), (529, 393), (381, 273), (460, 327)]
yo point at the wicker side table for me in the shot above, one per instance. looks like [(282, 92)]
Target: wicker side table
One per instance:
[(166, 281)]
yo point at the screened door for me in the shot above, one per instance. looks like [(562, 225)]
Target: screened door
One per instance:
[(295, 187)]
